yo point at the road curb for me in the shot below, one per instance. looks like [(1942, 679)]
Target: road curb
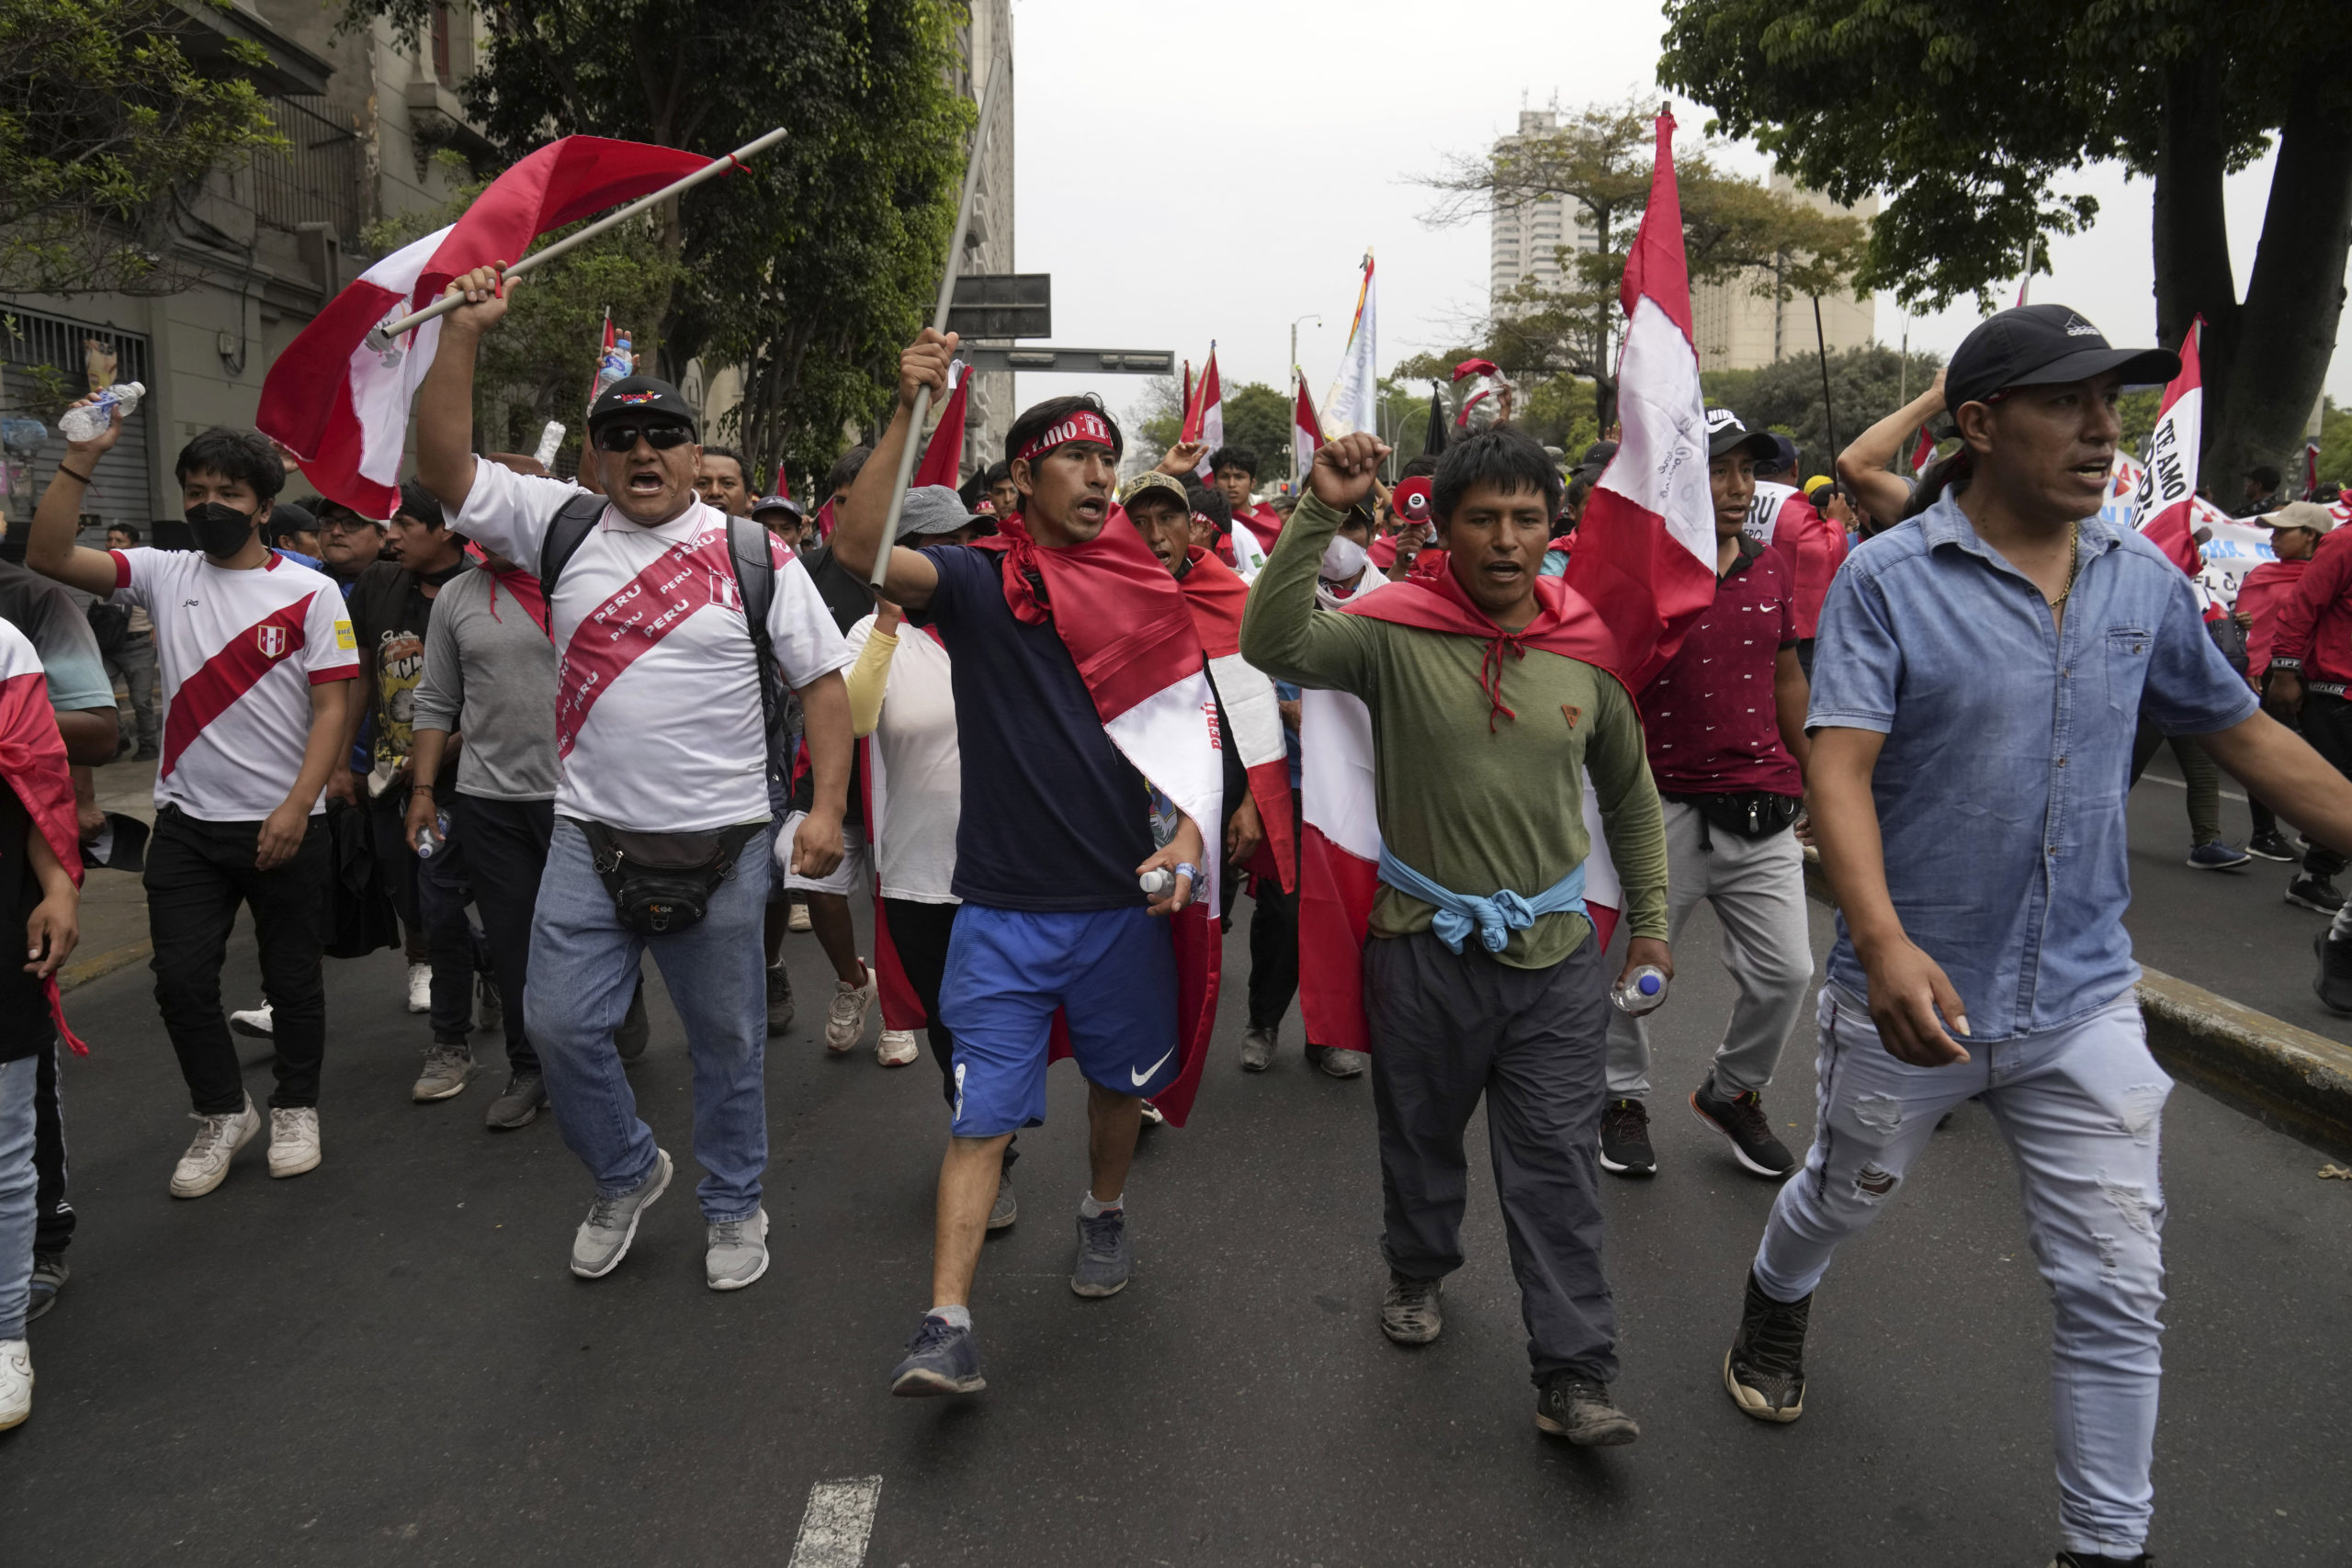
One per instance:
[(2278, 1072), (115, 958)]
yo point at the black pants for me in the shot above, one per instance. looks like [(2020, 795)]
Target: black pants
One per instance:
[(1449, 1027), (52, 1211), (921, 932), (2326, 723), (1273, 943), (445, 884), (197, 873), (506, 847), (396, 864)]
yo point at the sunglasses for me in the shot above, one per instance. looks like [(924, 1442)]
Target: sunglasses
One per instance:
[(662, 437)]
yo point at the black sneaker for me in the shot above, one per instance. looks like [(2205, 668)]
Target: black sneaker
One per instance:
[(1578, 1409), (1764, 1368), (941, 1358), (1411, 1313), (2333, 984), (2315, 892), (1625, 1139), (2272, 846), (1740, 1118), (1106, 1255)]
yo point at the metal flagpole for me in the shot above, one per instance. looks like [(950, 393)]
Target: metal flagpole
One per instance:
[(989, 92), (1828, 409), (711, 170)]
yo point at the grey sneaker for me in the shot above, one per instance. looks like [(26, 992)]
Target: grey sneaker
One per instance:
[(1578, 1409), (217, 1141), (604, 1237), (1256, 1050), (636, 1029), (446, 1068), (519, 1106), (780, 1009), (1007, 1208), (737, 1253), (941, 1358), (1105, 1255), (1413, 1311), (1342, 1064), (49, 1274)]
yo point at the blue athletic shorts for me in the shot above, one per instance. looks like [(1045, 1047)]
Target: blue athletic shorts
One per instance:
[(1112, 972)]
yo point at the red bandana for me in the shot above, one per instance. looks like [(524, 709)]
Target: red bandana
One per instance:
[(1564, 624), (1083, 426)]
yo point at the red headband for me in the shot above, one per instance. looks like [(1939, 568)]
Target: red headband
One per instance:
[(1083, 426)]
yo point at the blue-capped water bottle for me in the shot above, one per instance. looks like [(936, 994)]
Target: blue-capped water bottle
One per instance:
[(432, 836), (1643, 990), (89, 421)]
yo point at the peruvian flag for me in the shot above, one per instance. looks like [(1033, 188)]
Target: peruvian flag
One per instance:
[(1205, 416), (942, 459), (32, 763), (1305, 435), (2162, 508), (1923, 454), (1645, 547), (1779, 516), (338, 397)]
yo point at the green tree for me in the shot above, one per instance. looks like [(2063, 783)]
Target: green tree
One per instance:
[(103, 120), (2335, 444), (1869, 383), (1601, 161), (1258, 417), (1968, 114), (1558, 411), (817, 262)]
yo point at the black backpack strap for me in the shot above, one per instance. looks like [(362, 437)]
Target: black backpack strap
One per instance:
[(754, 567), (567, 531)]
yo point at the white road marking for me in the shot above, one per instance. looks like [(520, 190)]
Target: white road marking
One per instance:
[(840, 1518)]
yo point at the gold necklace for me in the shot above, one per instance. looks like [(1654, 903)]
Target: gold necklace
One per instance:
[(2074, 562)]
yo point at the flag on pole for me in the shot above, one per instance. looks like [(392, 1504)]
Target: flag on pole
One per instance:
[(1923, 454), (942, 459), (2169, 484), (1354, 402), (1645, 546), (1306, 434), (338, 397), (2311, 468), (1433, 438), (1205, 416)]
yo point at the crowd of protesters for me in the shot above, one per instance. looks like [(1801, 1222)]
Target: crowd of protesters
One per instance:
[(546, 728)]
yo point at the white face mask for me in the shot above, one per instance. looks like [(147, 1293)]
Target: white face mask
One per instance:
[(1343, 566)]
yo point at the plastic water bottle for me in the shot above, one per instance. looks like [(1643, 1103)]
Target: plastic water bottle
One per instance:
[(88, 421), (617, 363), (1157, 883), (1642, 991), (550, 438), (431, 838)]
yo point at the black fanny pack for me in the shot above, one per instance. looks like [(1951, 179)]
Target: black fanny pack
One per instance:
[(662, 884), (1751, 813)]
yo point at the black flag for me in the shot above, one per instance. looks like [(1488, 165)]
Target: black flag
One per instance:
[(1434, 441)]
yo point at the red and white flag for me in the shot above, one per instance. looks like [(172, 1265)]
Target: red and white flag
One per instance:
[(1253, 718), (1644, 555), (2168, 486), (32, 763), (1923, 454), (338, 397), (1205, 416), (1305, 434), (942, 459)]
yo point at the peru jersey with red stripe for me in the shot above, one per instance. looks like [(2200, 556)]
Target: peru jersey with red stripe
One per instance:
[(239, 652)]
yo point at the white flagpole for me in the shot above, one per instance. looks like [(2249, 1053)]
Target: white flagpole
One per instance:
[(711, 170), (990, 90)]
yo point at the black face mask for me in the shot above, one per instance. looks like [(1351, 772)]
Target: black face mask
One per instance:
[(218, 529)]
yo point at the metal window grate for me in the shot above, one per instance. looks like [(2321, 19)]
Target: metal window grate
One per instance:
[(316, 179)]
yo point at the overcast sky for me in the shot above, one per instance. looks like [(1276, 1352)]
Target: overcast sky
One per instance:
[(1155, 147)]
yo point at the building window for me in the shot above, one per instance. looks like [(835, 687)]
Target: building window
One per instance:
[(441, 44)]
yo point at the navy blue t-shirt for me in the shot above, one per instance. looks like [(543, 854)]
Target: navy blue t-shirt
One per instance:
[(1054, 817)]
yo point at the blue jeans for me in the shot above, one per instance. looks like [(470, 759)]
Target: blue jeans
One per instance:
[(17, 1187), (2081, 1108), (583, 970)]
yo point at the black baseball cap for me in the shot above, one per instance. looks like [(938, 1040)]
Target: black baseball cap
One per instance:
[(1726, 436), (2042, 345), (1596, 457), (647, 397)]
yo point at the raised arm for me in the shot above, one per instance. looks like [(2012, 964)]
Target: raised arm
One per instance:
[(50, 549), (1280, 632), (1863, 464), (445, 400), (857, 522)]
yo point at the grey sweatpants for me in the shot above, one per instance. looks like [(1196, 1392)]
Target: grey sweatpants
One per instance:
[(1756, 887), (1447, 1028)]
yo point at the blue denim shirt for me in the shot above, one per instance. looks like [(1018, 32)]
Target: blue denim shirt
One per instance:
[(2009, 750)]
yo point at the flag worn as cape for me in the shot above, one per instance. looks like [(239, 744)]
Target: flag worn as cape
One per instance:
[(32, 760), (1130, 633), (2169, 485), (1252, 714), (1645, 543), (1779, 517), (338, 397), (1339, 844)]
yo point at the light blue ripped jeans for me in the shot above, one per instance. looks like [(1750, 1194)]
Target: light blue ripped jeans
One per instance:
[(2080, 1108)]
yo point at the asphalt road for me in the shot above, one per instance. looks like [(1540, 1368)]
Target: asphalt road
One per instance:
[(385, 1361)]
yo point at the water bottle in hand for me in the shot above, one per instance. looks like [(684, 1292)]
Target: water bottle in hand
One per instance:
[(90, 421), (1642, 991), (432, 835), (1157, 883)]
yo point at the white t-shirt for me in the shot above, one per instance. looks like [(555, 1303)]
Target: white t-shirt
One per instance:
[(239, 652), (657, 700), (917, 772)]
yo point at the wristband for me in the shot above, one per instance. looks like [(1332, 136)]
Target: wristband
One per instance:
[(84, 478), (1185, 868)]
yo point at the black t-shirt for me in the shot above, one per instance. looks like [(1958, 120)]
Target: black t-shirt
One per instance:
[(25, 1029), (389, 615)]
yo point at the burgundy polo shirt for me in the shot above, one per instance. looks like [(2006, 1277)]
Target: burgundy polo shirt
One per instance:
[(1710, 717)]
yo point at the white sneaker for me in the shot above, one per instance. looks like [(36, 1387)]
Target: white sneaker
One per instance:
[(799, 919), (896, 1048), (293, 1140), (217, 1141), (420, 988), (252, 1022), (16, 1381), (845, 1020)]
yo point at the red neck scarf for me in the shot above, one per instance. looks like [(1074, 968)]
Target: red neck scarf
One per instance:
[(1564, 624), (521, 584), (1111, 601)]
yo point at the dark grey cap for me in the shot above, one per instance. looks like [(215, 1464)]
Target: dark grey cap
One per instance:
[(932, 508), (2042, 345)]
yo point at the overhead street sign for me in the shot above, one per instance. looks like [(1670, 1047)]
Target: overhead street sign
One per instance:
[(1003, 305), (1077, 361)]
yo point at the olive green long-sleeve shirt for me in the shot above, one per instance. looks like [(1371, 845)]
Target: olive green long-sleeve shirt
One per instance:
[(1474, 811)]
